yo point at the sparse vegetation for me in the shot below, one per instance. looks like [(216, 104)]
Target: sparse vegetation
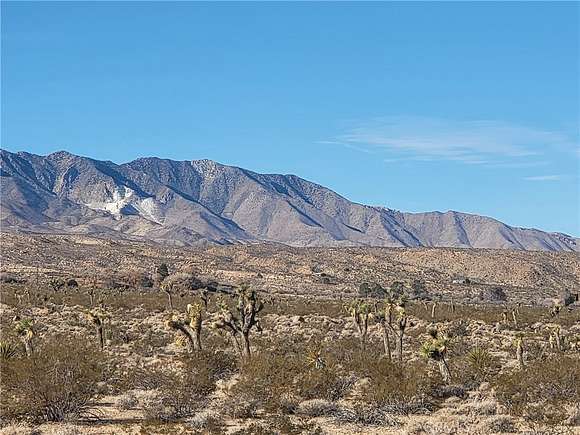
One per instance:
[(267, 361)]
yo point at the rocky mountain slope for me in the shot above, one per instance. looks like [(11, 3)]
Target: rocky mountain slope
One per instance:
[(201, 201)]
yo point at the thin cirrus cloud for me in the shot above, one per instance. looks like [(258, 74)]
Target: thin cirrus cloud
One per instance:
[(544, 178), (492, 143)]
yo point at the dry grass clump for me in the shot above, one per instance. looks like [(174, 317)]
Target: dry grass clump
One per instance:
[(317, 408), (208, 422), (367, 415), (58, 382), (497, 424), (127, 400), (280, 424), (241, 404)]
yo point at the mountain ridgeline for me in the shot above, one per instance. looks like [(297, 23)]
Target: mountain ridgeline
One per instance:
[(201, 201)]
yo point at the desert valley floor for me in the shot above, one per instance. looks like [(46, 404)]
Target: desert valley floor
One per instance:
[(339, 340)]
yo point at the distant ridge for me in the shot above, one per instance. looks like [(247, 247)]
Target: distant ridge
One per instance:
[(201, 201)]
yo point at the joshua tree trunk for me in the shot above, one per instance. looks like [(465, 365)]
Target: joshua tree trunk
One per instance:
[(101, 335), (193, 335), (400, 347), (558, 340), (387, 342), (362, 330), (28, 347), (520, 353), (237, 344), (169, 300), (246, 345), (444, 369)]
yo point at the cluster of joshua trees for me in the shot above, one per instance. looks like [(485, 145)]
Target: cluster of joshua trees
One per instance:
[(239, 317)]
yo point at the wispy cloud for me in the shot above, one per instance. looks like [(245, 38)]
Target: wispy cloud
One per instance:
[(544, 178), (481, 142)]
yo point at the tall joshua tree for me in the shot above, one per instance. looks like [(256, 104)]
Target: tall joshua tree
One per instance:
[(360, 312), (240, 320), (98, 317), (435, 348), (384, 317), (519, 344), (387, 315), (167, 287), (401, 324), (191, 328), (25, 330)]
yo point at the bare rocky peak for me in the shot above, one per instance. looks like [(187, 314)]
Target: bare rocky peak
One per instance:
[(200, 201)]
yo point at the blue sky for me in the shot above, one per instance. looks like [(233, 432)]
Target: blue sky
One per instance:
[(414, 106)]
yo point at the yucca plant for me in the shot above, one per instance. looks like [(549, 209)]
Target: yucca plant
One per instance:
[(435, 348), (7, 350), (25, 330), (480, 360), (314, 357)]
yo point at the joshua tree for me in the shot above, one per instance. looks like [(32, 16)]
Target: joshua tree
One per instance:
[(91, 293), (515, 317), (400, 331), (435, 348), (557, 334), (191, 328), (242, 319), (504, 316), (386, 317), (167, 287), (519, 344), (360, 312), (433, 310), (204, 295), (98, 317), (25, 330)]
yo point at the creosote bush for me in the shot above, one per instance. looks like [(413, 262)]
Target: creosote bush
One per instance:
[(183, 392), (56, 383), (541, 390)]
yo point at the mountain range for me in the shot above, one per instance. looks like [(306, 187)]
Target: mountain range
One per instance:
[(201, 201)]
